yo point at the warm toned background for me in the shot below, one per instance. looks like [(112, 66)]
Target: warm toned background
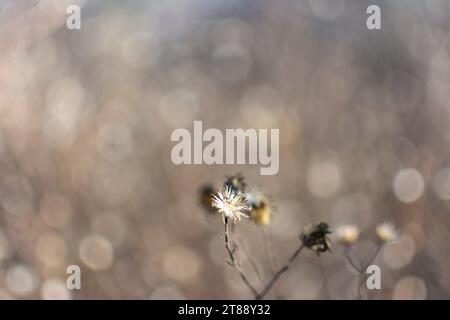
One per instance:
[(86, 118)]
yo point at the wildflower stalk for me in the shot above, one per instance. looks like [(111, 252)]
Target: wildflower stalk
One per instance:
[(361, 292), (251, 261), (351, 259), (270, 254), (279, 273), (348, 235), (361, 267), (233, 261), (372, 255)]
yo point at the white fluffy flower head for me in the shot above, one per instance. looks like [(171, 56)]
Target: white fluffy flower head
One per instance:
[(347, 234), (231, 205)]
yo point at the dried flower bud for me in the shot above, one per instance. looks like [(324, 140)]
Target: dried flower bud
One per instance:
[(261, 208), (315, 237), (236, 183)]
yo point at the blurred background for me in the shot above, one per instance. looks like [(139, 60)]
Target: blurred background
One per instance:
[(86, 117)]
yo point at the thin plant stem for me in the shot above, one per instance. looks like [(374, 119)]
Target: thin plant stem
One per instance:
[(361, 292), (351, 259), (248, 257), (270, 254), (371, 256), (279, 273), (233, 260)]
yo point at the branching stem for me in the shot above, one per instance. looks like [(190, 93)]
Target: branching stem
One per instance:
[(278, 274)]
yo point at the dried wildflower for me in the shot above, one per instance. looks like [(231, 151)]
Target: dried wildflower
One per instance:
[(261, 208), (236, 183), (347, 234), (206, 197), (386, 232), (230, 204), (315, 237)]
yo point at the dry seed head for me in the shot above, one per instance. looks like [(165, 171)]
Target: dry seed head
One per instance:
[(230, 204), (315, 237)]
